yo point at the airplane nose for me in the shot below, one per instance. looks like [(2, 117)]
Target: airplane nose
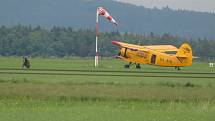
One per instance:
[(122, 52)]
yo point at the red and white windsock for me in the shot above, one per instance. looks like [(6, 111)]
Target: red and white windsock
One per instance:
[(102, 12)]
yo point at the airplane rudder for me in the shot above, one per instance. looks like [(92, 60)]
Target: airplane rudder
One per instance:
[(185, 49)]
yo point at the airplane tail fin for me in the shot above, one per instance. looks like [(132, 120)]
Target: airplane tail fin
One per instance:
[(185, 54)]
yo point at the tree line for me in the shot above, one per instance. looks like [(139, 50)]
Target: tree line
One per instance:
[(37, 41)]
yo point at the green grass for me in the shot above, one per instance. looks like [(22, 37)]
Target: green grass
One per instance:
[(88, 63), (25, 110), (37, 97)]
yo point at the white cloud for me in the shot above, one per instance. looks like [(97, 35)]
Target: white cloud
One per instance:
[(196, 5)]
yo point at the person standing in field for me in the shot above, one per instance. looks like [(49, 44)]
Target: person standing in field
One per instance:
[(26, 62)]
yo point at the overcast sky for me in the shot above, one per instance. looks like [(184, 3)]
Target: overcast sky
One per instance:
[(196, 5)]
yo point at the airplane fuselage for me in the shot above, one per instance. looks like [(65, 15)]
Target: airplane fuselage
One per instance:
[(153, 58)]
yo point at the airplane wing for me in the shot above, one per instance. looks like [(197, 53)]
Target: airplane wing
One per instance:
[(130, 46), (162, 48)]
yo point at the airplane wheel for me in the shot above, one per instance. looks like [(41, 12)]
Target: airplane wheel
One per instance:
[(138, 66), (126, 66)]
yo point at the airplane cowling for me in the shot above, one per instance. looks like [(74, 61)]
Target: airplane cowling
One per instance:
[(124, 52)]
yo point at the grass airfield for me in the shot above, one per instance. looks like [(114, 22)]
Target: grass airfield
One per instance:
[(73, 90)]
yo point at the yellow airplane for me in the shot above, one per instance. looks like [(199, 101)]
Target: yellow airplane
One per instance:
[(155, 55)]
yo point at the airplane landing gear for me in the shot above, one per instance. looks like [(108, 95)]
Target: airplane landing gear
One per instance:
[(138, 66), (178, 68), (130, 63), (128, 66)]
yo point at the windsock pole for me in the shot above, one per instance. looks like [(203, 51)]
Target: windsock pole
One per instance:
[(97, 34), (101, 11)]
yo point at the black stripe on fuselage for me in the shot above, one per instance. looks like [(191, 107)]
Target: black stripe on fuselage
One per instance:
[(125, 52), (179, 59)]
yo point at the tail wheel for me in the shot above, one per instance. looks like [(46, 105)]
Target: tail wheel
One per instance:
[(178, 68)]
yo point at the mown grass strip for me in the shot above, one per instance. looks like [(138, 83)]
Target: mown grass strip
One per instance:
[(116, 75), (115, 71)]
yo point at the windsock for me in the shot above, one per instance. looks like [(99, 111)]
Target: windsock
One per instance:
[(102, 12)]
